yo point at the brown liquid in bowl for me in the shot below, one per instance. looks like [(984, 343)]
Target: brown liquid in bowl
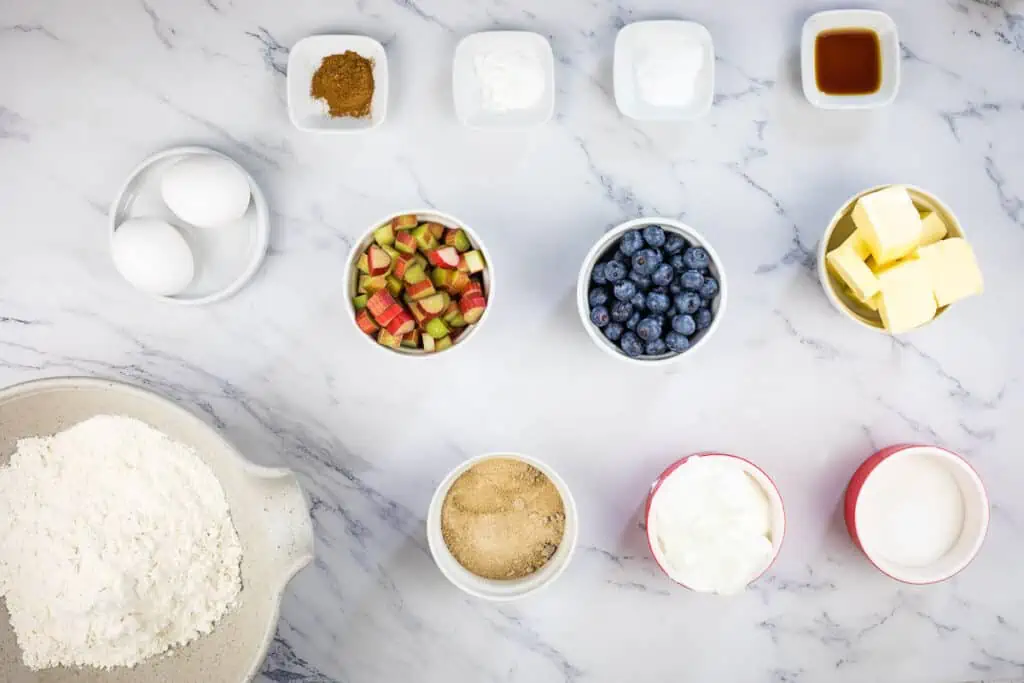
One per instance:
[(848, 61)]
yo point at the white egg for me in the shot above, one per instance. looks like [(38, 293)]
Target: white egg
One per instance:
[(206, 191), (153, 256)]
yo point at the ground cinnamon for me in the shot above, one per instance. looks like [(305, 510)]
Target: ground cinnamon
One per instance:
[(345, 82), (503, 519)]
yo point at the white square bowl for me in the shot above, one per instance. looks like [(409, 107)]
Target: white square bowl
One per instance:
[(311, 115), (889, 40), (629, 45), (466, 87)]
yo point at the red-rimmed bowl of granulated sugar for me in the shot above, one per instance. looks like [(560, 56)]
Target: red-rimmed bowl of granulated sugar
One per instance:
[(659, 506), (919, 513), (501, 590)]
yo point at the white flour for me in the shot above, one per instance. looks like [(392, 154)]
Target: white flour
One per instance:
[(115, 545), (509, 79)]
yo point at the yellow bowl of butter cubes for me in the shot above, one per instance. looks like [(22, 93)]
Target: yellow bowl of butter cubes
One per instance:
[(894, 258)]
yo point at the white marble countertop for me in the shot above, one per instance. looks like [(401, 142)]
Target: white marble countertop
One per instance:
[(89, 89)]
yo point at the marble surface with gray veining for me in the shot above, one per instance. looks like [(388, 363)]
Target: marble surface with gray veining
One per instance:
[(88, 89)]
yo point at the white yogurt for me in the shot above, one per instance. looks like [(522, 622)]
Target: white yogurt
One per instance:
[(712, 524), (910, 511)]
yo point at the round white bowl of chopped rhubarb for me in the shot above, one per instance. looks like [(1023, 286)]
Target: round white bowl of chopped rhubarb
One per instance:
[(419, 283)]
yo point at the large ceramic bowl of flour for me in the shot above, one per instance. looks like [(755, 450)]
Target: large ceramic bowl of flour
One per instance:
[(267, 509)]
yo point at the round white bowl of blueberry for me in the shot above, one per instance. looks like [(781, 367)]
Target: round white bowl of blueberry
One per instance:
[(651, 291)]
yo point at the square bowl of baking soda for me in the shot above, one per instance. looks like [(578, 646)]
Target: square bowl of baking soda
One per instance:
[(337, 84), (504, 79), (664, 70)]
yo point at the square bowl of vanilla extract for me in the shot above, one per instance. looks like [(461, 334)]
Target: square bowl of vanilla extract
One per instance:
[(850, 59)]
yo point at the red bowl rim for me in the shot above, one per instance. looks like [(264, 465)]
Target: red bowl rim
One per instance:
[(656, 484), (865, 469)]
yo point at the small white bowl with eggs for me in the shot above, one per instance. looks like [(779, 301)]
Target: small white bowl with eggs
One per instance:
[(190, 226)]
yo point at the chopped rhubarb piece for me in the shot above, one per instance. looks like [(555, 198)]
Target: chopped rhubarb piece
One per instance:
[(385, 338), (445, 257), (474, 261), (406, 222), (366, 323), (380, 302), (436, 328), (472, 308), (420, 290), (402, 324), (390, 314), (405, 242), (378, 260), (384, 235)]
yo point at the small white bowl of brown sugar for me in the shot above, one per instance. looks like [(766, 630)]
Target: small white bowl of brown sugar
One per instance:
[(502, 526)]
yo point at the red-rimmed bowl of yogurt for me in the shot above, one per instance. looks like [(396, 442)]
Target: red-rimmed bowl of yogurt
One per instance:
[(715, 522), (919, 513)]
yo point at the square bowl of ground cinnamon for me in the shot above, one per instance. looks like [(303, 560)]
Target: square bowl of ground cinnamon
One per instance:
[(502, 526), (337, 84)]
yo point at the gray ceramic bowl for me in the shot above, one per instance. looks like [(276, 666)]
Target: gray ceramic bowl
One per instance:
[(267, 508)]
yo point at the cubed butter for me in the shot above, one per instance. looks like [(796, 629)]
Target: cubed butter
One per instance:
[(952, 269), (857, 243), (889, 223), (849, 267), (933, 228), (905, 299)]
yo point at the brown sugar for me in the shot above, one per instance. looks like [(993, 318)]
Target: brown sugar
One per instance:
[(345, 82), (503, 519)]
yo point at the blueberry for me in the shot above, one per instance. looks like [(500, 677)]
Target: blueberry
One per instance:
[(696, 258), (645, 261), (676, 342), (599, 316), (614, 271), (631, 243), (633, 320), (684, 324), (654, 235), (639, 301), (655, 347), (621, 310), (621, 258), (658, 302), (674, 244), (597, 275), (648, 329), (709, 289), (624, 290), (613, 331), (675, 288), (677, 263), (660, 290), (703, 319), (630, 344), (598, 296), (691, 279), (688, 302), (642, 281), (663, 275)]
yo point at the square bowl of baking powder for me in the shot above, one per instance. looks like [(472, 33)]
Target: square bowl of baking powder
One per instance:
[(664, 70), (504, 79)]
